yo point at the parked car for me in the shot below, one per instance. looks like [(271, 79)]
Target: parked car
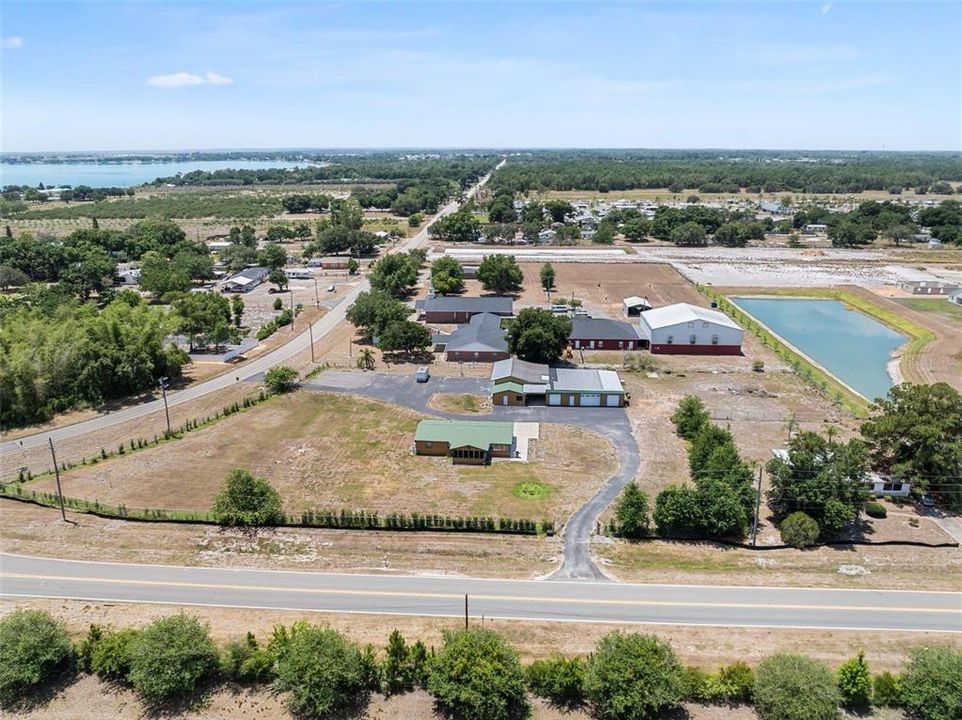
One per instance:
[(422, 375), (273, 290), (927, 500)]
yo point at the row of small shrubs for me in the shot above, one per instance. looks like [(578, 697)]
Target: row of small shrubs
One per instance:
[(284, 318), (474, 675)]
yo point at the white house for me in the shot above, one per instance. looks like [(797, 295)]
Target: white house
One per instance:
[(877, 484), (684, 329)]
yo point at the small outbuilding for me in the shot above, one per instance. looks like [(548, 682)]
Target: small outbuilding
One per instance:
[(467, 442), (635, 306), (602, 334), (684, 329)]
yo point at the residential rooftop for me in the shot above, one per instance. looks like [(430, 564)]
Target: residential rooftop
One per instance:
[(481, 434)]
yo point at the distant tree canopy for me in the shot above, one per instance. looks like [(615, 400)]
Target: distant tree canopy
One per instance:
[(373, 312), (395, 273), (676, 170), (57, 353), (460, 226), (538, 335), (500, 274), (447, 275)]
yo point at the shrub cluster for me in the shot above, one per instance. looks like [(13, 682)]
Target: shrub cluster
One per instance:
[(474, 675)]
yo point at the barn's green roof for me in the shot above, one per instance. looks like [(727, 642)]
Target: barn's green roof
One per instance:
[(509, 386), (461, 433)]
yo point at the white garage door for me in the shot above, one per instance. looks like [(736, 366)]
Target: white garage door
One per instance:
[(590, 400), (612, 400), (554, 399)]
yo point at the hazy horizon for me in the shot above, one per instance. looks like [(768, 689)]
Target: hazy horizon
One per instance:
[(805, 76)]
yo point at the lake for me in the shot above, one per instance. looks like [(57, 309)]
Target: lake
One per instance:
[(852, 346), (120, 174)]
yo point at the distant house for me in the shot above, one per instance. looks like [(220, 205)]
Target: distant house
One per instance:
[(877, 484), (516, 382), (634, 305), (480, 340), (218, 245), (246, 280), (547, 236), (129, 277), (955, 297), (602, 334), (467, 442), (929, 287), (453, 309), (815, 229), (684, 329)]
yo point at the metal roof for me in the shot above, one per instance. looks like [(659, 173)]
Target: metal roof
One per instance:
[(635, 301), (602, 329), (444, 303), (684, 313), (580, 380), (520, 369), (482, 334), (508, 385), (461, 433)]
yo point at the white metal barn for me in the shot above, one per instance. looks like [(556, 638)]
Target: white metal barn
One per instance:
[(684, 329)]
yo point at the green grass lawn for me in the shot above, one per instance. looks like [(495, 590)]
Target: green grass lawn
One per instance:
[(939, 306)]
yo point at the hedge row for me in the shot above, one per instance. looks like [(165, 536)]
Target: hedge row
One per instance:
[(474, 675), (343, 519)]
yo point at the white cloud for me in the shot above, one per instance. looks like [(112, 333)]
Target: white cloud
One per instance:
[(213, 78), (13, 42), (826, 8), (185, 79)]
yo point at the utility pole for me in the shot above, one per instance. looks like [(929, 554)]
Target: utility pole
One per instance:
[(292, 309), (758, 504), (163, 390), (465, 611), (310, 330), (56, 471), (317, 299)]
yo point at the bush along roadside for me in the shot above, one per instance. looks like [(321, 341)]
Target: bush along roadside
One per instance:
[(475, 674)]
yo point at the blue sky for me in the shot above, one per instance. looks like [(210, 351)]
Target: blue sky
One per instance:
[(151, 75)]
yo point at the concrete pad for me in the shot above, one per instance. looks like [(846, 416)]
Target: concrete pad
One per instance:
[(523, 433)]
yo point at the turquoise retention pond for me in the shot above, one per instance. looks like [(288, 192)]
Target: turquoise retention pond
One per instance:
[(852, 346)]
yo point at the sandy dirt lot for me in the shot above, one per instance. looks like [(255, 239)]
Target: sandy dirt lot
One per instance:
[(325, 451), (89, 699)]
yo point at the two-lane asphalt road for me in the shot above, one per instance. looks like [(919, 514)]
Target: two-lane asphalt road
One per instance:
[(22, 576)]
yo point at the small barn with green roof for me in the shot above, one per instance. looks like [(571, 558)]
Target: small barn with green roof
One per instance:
[(470, 442)]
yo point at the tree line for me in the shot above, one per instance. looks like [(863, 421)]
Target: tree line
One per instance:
[(57, 353), (475, 674), (818, 490), (465, 170), (754, 172)]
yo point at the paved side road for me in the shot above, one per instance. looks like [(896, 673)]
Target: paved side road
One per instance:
[(502, 599), (577, 563)]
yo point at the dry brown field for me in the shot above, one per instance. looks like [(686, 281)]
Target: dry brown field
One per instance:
[(333, 452)]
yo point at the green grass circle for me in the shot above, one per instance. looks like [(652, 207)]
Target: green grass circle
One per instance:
[(530, 490)]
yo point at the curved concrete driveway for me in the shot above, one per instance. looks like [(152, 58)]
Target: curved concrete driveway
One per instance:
[(577, 563), (244, 371)]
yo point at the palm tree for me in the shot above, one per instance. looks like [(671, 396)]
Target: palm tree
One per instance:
[(365, 359)]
